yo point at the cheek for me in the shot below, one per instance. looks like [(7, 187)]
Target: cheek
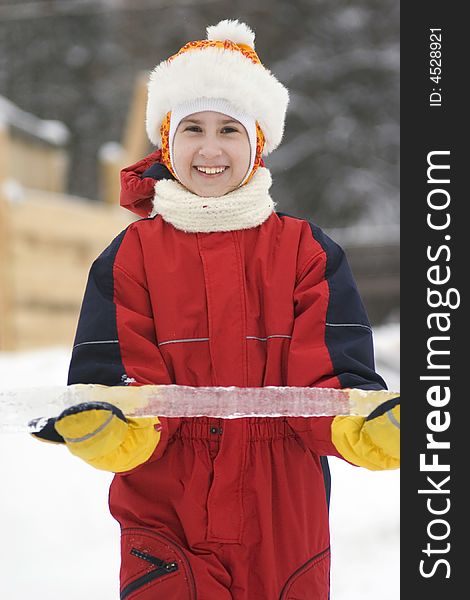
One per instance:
[(182, 156), (244, 154)]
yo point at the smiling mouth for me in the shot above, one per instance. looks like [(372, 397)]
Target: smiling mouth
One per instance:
[(211, 172)]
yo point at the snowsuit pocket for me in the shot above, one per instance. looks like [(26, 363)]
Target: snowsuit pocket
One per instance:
[(313, 577), (153, 566)]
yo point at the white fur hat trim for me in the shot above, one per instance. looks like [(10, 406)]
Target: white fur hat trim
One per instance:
[(218, 73)]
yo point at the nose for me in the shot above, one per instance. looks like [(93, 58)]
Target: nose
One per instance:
[(210, 149)]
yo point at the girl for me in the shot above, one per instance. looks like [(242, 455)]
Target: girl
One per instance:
[(214, 288)]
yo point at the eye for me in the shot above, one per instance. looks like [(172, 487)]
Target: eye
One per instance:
[(229, 130), (194, 128)]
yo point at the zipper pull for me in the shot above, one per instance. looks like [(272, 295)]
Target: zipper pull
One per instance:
[(158, 562)]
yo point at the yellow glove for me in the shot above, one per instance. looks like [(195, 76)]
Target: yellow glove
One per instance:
[(102, 436), (372, 442)]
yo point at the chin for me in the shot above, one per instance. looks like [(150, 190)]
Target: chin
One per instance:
[(211, 192)]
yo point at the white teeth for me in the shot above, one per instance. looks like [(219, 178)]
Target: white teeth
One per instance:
[(211, 170)]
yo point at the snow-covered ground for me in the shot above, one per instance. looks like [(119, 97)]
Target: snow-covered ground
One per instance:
[(59, 541)]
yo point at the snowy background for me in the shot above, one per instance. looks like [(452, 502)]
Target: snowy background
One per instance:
[(59, 541), (339, 160), (338, 165)]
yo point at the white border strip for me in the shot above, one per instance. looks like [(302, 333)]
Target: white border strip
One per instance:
[(98, 342), (348, 325)]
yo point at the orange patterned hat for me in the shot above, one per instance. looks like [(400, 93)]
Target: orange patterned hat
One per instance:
[(225, 66)]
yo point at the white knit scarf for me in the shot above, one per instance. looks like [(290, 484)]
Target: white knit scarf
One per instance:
[(246, 207)]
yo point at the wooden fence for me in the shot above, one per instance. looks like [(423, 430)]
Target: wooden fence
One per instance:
[(48, 238), (374, 256), (47, 245)]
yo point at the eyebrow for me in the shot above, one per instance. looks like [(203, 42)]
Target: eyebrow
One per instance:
[(198, 121)]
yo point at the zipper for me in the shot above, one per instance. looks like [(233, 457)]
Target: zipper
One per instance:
[(317, 558), (162, 568)]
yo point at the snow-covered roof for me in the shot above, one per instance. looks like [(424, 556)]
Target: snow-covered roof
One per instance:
[(52, 132)]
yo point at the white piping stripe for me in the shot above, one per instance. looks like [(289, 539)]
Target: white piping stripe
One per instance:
[(254, 337), (393, 419), (101, 342), (248, 337), (184, 340), (348, 325)]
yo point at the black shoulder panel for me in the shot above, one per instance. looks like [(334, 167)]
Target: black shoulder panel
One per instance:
[(96, 355)]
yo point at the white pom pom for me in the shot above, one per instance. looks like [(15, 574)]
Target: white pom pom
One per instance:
[(232, 30)]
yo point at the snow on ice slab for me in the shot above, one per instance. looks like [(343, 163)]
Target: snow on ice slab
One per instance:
[(60, 542)]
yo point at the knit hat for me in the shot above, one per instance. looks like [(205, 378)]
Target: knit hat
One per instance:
[(224, 67)]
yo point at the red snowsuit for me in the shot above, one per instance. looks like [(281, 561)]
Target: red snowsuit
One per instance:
[(225, 508)]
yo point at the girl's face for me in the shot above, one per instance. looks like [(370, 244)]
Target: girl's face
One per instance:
[(211, 153)]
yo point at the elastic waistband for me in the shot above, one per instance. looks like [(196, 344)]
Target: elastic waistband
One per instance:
[(256, 428)]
